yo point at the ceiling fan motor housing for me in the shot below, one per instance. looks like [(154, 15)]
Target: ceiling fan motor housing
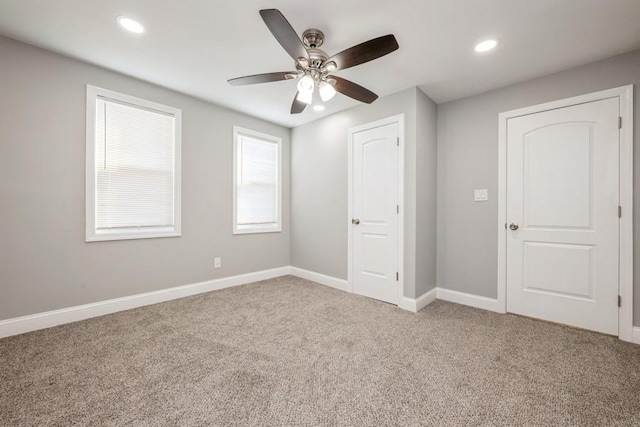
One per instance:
[(317, 56)]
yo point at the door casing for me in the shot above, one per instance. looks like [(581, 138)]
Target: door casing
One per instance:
[(399, 119), (625, 266)]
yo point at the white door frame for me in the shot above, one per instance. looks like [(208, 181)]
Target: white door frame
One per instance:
[(399, 119), (625, 267)]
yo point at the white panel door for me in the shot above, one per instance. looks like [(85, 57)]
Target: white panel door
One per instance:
[(562, 213), (375, 215)]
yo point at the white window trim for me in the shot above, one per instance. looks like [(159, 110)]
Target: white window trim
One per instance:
[(92, 235), (260, 228)]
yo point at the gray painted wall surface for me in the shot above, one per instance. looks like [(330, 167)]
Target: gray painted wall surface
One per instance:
[(468, 159), (426, 176), (319, 189), (45, 263)]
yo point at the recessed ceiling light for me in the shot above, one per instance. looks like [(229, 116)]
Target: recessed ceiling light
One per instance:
[(130, 25), (318, 107), (486, 45)]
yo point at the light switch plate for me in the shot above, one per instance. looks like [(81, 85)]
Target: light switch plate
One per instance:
[(481, 195)]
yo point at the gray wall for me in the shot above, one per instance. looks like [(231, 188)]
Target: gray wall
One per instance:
[(45, 263), (319, 187), (468, 159), (426, 189)]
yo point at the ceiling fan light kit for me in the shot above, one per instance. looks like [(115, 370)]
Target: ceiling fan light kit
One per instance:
[(313, 65), (306, 83), (305, 96), (326, 90)]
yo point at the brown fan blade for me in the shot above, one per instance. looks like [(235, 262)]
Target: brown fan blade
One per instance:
[(297, 107), (353, 90), (284, 33), (364, 52), (263, 78)]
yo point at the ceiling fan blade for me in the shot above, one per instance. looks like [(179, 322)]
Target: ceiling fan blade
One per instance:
[(353, 90), (284, 33), (263, 78), (297, 107), (364, 52)]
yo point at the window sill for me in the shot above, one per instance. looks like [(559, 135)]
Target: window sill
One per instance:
[(248, 229), (151, 233)]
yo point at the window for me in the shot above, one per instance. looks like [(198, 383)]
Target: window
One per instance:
[(133, 167), (257, 161)]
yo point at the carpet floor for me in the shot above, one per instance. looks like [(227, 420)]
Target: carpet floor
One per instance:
[(289, 352)]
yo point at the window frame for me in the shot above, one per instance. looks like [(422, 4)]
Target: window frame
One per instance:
[(91, 232), (260, 228)]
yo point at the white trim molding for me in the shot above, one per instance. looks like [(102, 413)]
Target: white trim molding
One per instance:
[(471, 300), (34, 322), (417, 304), (625, 285), (625, 281), (48, 319), (323, 279), (273, 227), (143, 231)]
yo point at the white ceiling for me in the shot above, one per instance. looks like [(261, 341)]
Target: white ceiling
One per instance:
[(194, 46)]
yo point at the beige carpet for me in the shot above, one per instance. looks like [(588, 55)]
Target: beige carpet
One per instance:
[(291, 352)]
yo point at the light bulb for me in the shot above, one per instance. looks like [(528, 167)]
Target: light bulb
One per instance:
[(305, 96), (306, 84), (318, 107), (326, 90)]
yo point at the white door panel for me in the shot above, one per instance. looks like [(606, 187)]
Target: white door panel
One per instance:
[(557, 176), (375, 197), (562, 193), (558, 268)]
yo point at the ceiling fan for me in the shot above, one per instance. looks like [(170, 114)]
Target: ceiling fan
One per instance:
[(313, 66)]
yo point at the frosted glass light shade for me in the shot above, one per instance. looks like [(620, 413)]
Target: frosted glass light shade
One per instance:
[(306, 84), (305, 96), (326, 91)]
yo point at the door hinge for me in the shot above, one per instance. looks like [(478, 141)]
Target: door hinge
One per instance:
[(397, 208), (397, 141), (619, 301), (397, 276), (619, 211), (619, 122)]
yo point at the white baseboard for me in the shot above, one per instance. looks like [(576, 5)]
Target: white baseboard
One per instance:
[(417, 304), (34, 322), (20, 325), (636, 334), (323, 279), (471, 300)]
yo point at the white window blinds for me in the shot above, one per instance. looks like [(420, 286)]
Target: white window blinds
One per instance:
[(257, 183), (134, 166)]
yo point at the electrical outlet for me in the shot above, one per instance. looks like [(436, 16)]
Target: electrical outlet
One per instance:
[(481, 195), (217, 262)]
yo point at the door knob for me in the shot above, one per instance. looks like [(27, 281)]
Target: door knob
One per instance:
[(513, 226), (355, 221)]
